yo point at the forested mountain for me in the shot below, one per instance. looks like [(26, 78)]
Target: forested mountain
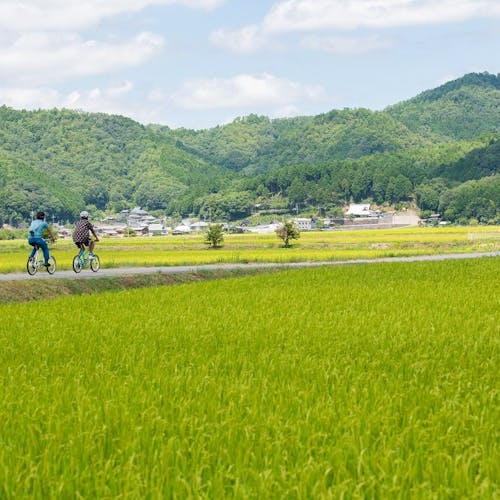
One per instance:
[(461, 109), (66, 160), (481, 162), (256, 144), (435, 150)]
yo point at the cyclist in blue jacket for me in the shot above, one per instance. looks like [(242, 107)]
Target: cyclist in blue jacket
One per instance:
[(35, 236)]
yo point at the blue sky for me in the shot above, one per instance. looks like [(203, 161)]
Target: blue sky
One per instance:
[(200, 63)]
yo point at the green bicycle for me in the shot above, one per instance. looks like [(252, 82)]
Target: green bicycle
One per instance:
[(83, 259)]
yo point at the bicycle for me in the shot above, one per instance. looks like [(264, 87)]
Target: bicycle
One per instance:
[(83, 259), (37, 261)]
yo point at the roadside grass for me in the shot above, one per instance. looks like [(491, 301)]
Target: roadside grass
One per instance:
[(351, 382), (312, 246), (24, 291)]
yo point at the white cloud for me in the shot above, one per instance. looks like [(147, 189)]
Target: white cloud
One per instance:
[(70, 15), (120, 89), (49, 57), (248, 39), (30, 98), (304, 15), (107, 99), (197, 4), (289, 16), (286, 111), (345, 45), (244, 91), (113, 100)]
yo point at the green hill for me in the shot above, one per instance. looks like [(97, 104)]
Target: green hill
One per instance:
[(106, 162), (463, 109), (24, 189), (478, 163), (418, 150), (257, 144)]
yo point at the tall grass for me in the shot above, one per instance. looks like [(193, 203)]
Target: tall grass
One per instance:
[(375, 381)]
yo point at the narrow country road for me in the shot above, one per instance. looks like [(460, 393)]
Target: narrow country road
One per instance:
[(103, 273)]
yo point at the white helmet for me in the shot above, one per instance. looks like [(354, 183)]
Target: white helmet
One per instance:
[(84, 214)]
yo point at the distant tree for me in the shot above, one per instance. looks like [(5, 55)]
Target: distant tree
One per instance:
[(360, 184), (232, 205), (398, 188), (296, 192), (288, 231), (214, 236), (428, 194), (479, 200), (129, 232), (96, 194)]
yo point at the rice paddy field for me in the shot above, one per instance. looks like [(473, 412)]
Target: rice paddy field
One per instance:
[(376, 381), (251, 248)]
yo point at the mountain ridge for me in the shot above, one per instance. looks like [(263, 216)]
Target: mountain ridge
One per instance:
[(109, 162)]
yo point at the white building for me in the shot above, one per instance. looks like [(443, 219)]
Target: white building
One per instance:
[(199, 226), (264, 228), (360, 210), (157, 230), (181, 229), (408, 218), (303, 223)]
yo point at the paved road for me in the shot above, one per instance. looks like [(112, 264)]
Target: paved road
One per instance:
[(87, 274)]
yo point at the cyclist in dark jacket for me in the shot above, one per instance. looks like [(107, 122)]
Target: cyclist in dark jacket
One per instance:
[(81, 233)]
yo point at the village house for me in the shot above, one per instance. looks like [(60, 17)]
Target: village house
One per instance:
[(360, 210), (182, 228), (264, 228), (157, 230), (303, 223), (199, 226)]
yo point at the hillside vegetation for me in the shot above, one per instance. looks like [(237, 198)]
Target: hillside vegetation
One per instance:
[(418, 151)]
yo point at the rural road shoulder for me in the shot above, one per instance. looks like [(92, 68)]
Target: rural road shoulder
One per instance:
[(115, 272)]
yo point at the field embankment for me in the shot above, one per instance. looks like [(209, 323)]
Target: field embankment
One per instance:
[(44, 289)]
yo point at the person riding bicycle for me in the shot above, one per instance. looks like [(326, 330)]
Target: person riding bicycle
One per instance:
[(81, 233), (35, 237)]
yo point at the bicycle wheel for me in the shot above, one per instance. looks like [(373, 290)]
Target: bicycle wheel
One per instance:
[(51, 268), (95, 264), (31, 266), (77, 264)]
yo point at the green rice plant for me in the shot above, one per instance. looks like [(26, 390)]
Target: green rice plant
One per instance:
[(373, 381)]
